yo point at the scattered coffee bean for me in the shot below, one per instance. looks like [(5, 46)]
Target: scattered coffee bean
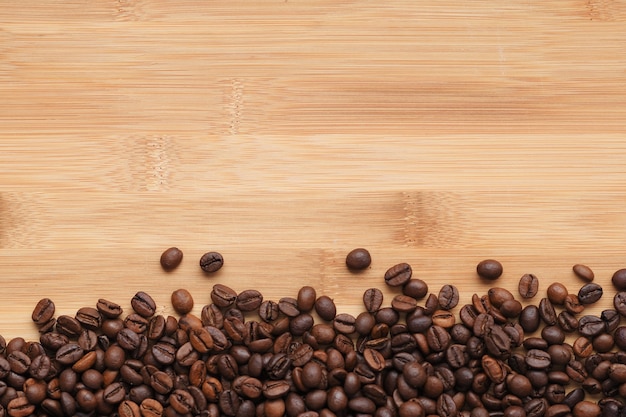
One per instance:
[(489, 269), (171, 258), (358, 259), (182, 301), (398, 275), (528, 285), (589, 293), (584, 272), (408, 359), (211, 262)]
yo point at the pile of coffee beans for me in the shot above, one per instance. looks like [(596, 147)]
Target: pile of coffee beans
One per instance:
[(298, 356)]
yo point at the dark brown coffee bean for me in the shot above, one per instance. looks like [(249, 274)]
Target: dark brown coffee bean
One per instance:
[(358, 259), (211, 262), (573, 304), (68, 354), (611, 318), (590, 293), (498, 295), (43, 311), (403, 303), (108, 309), (362, 405), (489, 269), (288, 306), (325, 308), (249, 300), (223, 296), (448, 297), (398, 275), (275, 389), (528, 286), (89, 318), (590, 326), (619, 279), (538, 359), (415, 288), (171, 258), (372, 299), (68, 326), (511, 308), (619, 302), (181, 401), (143, 304), (306, 298), (547, 312)]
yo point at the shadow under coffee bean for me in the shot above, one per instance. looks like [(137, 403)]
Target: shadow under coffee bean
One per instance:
[(416, 355)]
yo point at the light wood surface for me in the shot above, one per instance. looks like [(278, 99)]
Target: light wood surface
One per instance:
[(285, 133)]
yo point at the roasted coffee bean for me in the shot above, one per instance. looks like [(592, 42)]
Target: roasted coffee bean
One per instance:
[(556, 293), (538, 359), (249, 300), (306, 298), (584, 272), (448, 297), (547, 312), (489, 269), (415, 288), (182, 301), (344, 323), (590, 326), (511, 308), (619, 279), (528, 286), (373, 299), (619, 302), (398, 275), (143, 304), (573, 304), (358, 259), (68, 326), (288, 306), (43, 311), (275, 389), (403, 303), (325, 308), (20, 407), (211, 262), (68, 354), (567, 321), (223, 296), (171, 258), (553, 335), (589, 293)]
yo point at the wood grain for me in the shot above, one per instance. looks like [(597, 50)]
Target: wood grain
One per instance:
[(283, 134)]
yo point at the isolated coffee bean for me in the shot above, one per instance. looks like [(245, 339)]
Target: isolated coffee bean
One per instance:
[(211, 262), (171, 258), (358, 259), (590, 293), (489, 269), (583, 272), (398, 275)]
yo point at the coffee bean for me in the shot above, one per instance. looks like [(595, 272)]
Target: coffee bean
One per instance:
[(547, 312), (556, 293), (358, 259), (583, 272), (590, 326), (528, 285), (619, 279), (590, 293), (489, 269), (43, 311), (325, 308), (211, 262), (373, 299), (573, 304), (403, 303), (182, 301), (398, 275), (448, 297), (288, 306), (223, 296), (171, 258), (143, 304)]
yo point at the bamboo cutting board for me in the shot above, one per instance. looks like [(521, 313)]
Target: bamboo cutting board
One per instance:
[(283, 134)]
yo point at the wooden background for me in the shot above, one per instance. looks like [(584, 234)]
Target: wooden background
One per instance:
[(285, 133)]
